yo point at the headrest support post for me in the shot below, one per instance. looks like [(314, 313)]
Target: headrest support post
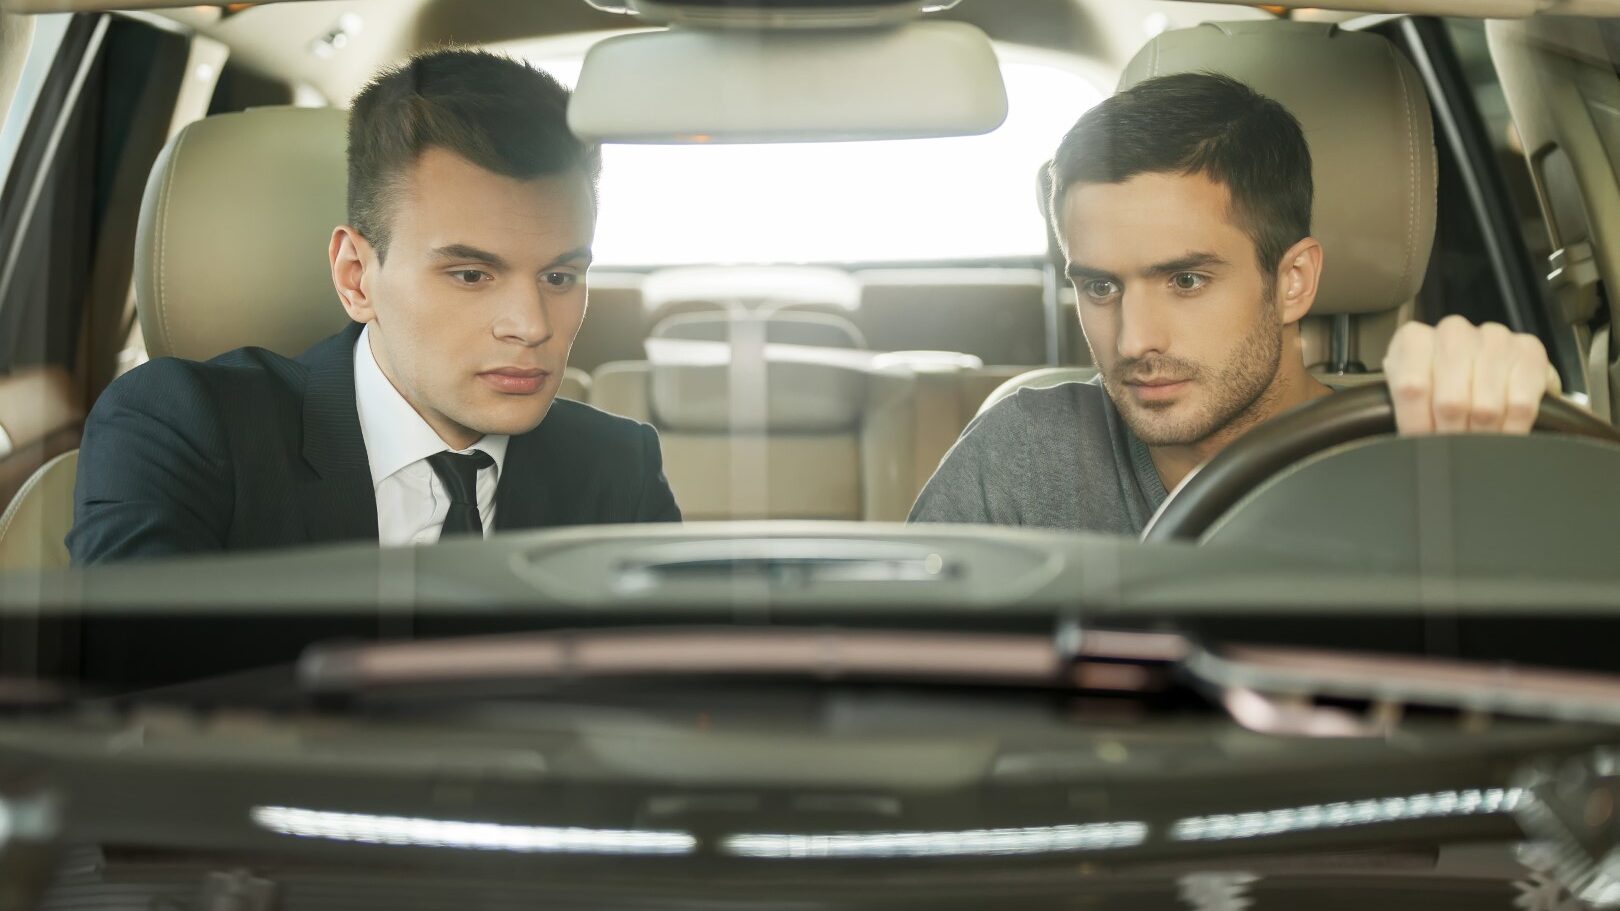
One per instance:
[(1340, 357)]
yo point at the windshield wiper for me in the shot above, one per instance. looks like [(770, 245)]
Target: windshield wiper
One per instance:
[(1267, 689), (1100, 660), (1273, 690)]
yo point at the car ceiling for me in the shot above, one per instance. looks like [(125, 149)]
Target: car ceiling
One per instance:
[(276, 39)]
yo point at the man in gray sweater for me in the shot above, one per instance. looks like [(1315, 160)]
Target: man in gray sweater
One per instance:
[(1184, 208)]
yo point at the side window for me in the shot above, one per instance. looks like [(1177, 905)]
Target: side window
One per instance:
[(73, 197), (1490, 249), (88, 119), (1474, 59)]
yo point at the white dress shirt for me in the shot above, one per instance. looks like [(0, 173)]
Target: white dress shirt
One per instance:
[(411, 500)]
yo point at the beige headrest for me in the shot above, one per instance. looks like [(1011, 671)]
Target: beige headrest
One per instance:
[(788, 327), (1366, 118), (231, 247), (786, 285), (805, 373)]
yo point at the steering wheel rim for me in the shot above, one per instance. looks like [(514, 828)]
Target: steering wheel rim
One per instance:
[(1343, 417)]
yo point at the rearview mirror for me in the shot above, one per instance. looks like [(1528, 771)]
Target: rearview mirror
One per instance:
[(684, 85)]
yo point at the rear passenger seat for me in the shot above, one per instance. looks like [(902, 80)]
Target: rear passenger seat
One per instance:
[(997, 315), (849, 427), (751, 432), (789, 416), (615, 321), (698, 289)]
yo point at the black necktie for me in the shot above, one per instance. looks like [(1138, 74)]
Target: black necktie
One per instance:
[(459, 474)]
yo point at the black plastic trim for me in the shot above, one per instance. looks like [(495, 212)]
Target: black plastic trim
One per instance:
[(1524, 290)]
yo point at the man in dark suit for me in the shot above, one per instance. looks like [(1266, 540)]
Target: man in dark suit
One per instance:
[(471, 210)]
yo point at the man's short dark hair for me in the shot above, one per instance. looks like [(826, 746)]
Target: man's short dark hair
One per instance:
[(1199, 123), (501, 114)]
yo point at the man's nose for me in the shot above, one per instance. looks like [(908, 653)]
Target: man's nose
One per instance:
[(526, 319), (1143, 326)]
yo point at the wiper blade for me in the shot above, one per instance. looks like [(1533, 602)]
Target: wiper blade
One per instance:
[(1095, 660), (1272, 689), (1267, 689)]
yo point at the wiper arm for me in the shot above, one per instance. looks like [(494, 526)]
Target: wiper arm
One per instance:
[(1095, 660)]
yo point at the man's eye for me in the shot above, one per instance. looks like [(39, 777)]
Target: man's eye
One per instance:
[(1100, 289), (561, 280), (1188, 281), (469, 276)]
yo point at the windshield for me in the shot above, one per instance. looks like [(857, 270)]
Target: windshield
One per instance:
[(1029, 274), (784, 452), (311, 283)]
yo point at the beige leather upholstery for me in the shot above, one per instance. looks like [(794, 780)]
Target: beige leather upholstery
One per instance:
[(1375, 188), (40, 417), (615, 321), (797, 363), (1560, 84), (34, 527), (997, 315), (914, 415), (231, 246), (784, 442), (832, 432), (748, 474), (576, 385), (230, 251), (750, 286)]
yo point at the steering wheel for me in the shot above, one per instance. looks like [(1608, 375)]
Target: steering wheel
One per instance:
[(1344, 417)]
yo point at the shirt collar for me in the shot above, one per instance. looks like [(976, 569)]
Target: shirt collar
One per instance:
[(395, 435)]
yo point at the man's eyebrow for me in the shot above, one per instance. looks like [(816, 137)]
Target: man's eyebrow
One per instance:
[(1078, 272), (467, 253), (581, 253), (1185, 264)]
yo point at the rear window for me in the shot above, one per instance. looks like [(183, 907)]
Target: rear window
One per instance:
[(922, 200)]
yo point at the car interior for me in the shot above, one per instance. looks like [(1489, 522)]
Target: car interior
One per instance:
[(791, 389), (1338, 667)]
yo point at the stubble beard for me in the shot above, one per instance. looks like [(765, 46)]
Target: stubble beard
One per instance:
[(1239, 394)]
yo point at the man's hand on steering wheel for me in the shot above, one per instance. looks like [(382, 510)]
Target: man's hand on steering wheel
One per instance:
[(1456, 377)]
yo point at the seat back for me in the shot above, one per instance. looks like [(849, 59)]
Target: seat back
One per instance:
[(765, 289), (33, 529), (615, 321), (997, 315), (758, 415)]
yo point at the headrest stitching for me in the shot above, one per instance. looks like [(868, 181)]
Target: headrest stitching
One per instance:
[(162, 242), (1411, 171)]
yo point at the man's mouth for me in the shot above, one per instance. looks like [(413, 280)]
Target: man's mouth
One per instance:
[(1156, 389), (516, 380)]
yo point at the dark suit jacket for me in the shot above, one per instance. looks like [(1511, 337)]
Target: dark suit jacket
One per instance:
[(255, 450)]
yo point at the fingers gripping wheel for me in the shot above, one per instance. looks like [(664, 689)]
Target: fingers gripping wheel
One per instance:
[(1266, 450)]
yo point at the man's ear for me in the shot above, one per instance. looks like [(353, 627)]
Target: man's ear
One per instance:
[(1299, 275), (353, 259)]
